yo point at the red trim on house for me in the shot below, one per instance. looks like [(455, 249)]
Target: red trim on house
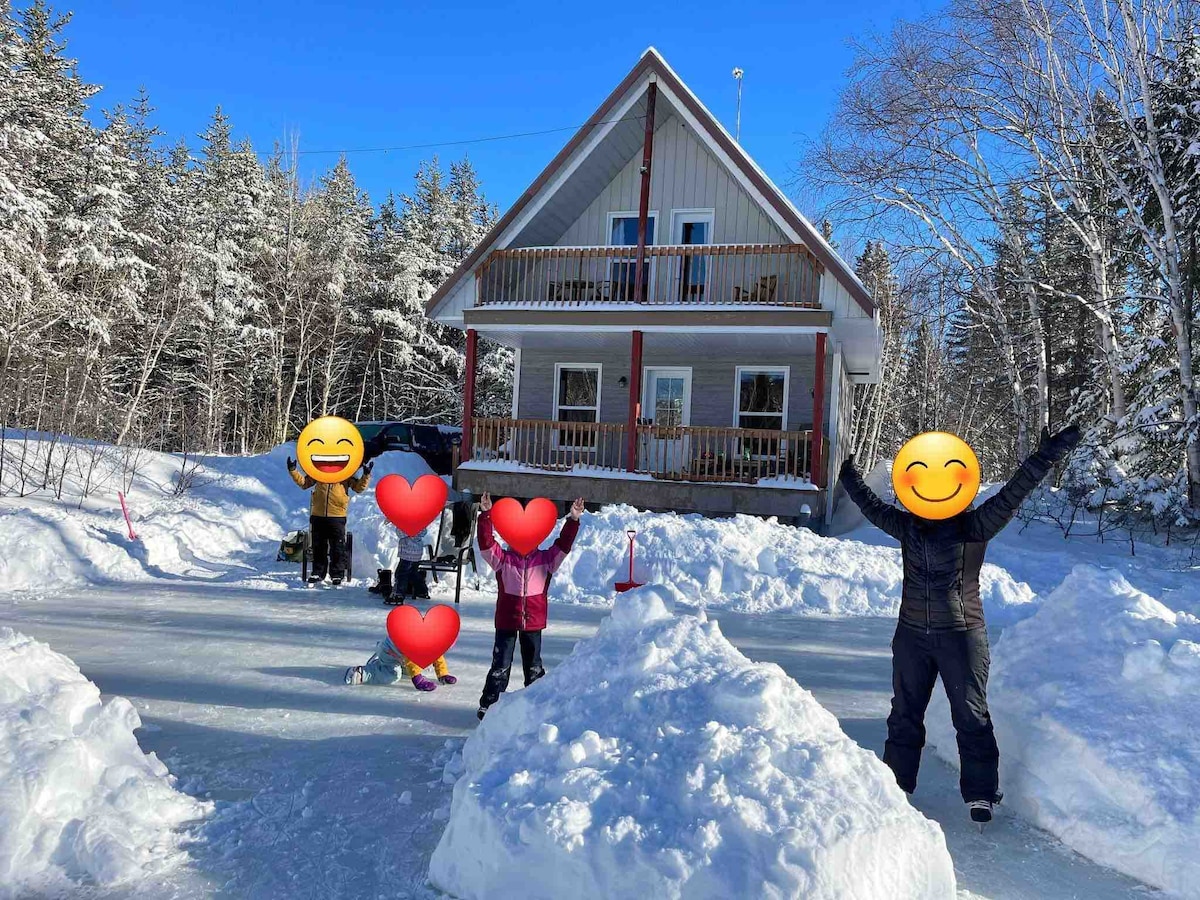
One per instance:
[(639, 277), (635, 400), (650, 62), (469, 393), (818, 416)]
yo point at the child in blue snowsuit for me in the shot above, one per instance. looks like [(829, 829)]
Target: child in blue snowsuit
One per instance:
[(382, 668)]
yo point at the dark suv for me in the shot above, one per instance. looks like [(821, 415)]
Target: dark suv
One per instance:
[(433, 443)]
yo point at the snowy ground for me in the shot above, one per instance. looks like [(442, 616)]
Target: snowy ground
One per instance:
[(241, 696), (323, 790)]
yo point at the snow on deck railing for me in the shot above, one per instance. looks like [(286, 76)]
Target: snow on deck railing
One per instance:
[(683, 453)]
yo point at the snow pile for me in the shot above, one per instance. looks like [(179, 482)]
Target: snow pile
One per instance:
[(658, 761), (226, 525), (1095, 701), (79, 801), (751, 565)]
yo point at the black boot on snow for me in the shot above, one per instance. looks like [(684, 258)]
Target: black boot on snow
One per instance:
[(384, 585)]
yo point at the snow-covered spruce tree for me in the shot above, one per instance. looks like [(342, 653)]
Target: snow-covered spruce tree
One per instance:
[(228, 202)]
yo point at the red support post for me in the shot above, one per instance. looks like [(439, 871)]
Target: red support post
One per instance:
[(469, 394), (644, 200), (635, 401), (818, 416)]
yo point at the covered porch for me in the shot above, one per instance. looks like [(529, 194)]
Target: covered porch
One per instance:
[(676, 414)]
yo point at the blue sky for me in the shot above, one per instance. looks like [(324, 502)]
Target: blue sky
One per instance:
[(360, 74)]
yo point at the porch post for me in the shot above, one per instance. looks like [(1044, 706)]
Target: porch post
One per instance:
[(818, 415), (644, 199), (469, 395), (635, 402)]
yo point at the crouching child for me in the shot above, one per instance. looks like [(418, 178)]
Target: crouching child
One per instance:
[(522, 585), (384, 665)]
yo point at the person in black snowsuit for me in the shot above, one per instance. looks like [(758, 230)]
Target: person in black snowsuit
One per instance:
[(941, 629)]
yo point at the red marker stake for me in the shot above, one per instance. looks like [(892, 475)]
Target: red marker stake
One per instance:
[(125, 510)]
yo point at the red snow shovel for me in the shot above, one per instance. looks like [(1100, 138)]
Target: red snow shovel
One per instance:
[(623, 586)]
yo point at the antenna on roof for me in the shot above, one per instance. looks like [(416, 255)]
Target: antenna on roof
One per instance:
[(737, 127)]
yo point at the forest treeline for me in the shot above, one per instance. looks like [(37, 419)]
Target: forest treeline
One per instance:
[(1030, 171), (201, 297)]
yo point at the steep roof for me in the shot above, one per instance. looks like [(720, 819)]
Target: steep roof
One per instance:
[(651, 63)]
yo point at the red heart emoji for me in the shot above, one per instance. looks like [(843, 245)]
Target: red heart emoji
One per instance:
[(411, 507), (524, 528), (423, 639)]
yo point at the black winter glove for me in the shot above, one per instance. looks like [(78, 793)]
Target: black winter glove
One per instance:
[(847, 467), (291, 464), (1057, 446), (368, 467)]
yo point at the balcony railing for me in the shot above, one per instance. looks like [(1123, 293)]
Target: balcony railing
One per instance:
[(687, 453), (688, 274)]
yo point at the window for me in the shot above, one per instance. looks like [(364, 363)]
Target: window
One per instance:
[(761, 398), (623, 229), (577, 399), (623, 232)]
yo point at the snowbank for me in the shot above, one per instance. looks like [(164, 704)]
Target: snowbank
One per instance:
[(1096, 700), (226, 526), (79, 801), (752, 565), (658, 761)]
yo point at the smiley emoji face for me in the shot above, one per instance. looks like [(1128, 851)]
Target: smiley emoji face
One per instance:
[(329, 449), (936, 475)]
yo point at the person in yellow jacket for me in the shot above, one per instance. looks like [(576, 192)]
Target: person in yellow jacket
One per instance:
[(327, 520)]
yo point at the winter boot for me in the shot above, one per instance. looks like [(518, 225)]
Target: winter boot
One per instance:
[(447, 679), (336, 580), (384, 585), (481, 713), (421, 683), (354, 675)]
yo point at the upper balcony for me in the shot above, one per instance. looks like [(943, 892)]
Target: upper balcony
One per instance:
[(780, 275)]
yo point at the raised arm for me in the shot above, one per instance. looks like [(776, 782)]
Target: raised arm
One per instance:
[(302, 481), (360, 483), (561, 548), (882, 515), (989, 519), (488, 548)]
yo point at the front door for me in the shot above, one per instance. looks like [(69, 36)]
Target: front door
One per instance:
[(667, 405)]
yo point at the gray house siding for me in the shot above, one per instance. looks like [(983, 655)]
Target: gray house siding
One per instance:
[(685, 176), (713, 382)]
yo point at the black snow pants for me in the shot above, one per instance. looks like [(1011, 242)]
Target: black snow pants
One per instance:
[(328, 546), (502, 656), (961, 658)]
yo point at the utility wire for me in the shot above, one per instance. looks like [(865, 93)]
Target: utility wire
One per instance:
[(479, 140)]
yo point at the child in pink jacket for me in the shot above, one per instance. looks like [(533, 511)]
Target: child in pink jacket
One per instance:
[(522, 584)]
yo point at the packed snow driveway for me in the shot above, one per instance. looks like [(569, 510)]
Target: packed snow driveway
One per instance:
[(324, 790)]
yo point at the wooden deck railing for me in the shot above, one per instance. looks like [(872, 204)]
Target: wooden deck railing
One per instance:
[(687, 274), (692, 453)]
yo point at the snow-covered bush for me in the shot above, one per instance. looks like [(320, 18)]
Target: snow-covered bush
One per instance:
[(1096, 700), (658, 761), (80, 803), (747, 564)]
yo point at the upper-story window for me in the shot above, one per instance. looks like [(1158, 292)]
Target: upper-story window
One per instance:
[(623, 229), (622, 275)]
